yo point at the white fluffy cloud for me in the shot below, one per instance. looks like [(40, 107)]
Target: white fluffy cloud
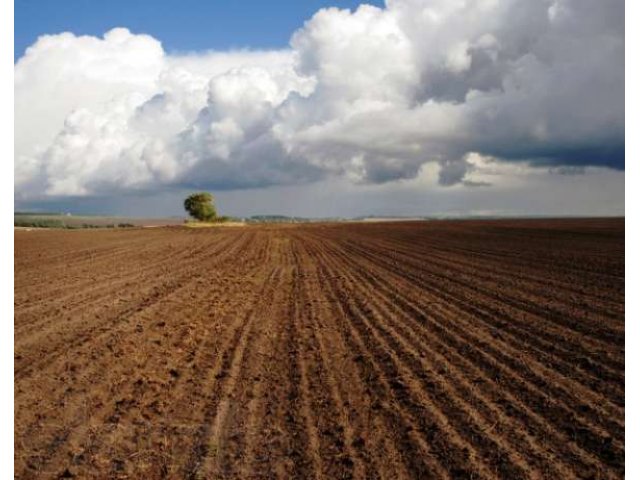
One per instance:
[(370, 95)]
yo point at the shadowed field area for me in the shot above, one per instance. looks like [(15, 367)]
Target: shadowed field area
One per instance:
[(468, 349)]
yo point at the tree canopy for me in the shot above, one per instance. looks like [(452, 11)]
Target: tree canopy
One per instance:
[(200, 206)]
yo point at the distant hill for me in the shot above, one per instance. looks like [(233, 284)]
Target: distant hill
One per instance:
[(287, 219)]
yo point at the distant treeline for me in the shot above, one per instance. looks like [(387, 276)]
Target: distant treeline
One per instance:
[(36, 214), (56, 223)]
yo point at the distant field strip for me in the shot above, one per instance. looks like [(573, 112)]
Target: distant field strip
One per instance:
[(445, 349)]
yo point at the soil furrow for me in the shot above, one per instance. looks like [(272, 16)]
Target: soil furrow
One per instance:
[(487, 349)]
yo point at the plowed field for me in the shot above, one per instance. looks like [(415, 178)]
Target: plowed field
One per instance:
[(471, 349)]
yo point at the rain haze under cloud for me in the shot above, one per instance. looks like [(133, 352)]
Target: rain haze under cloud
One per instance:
[(420, 107)]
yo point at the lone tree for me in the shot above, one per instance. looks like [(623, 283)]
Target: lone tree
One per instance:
[(200, 206)]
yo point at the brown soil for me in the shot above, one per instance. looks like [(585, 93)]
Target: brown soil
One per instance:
[(471, 349)]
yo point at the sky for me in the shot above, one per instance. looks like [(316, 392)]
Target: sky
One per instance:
[(319, 108), (181, 25)]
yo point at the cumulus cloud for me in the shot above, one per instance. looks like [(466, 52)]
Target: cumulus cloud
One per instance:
[(371, 95)]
